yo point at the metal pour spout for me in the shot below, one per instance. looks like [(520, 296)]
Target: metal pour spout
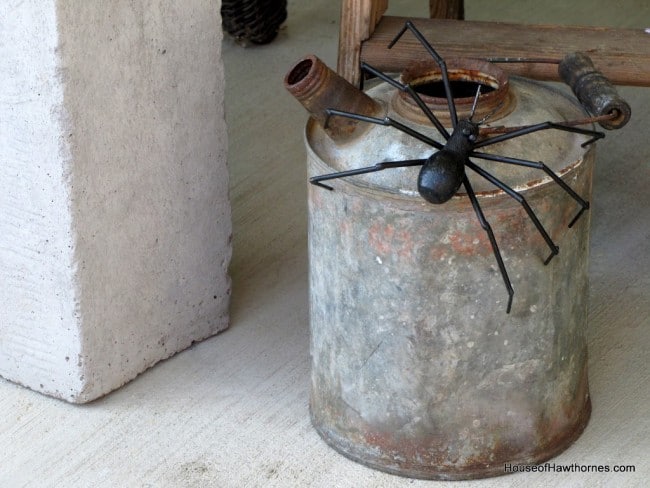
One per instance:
[(318, 88)]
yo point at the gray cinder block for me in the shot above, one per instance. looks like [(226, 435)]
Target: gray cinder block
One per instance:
[(114, 211)]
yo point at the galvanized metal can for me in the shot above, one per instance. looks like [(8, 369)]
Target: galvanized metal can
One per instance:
[(416, 367)]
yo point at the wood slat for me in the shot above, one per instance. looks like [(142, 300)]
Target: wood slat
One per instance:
[(358, 21), (623, 55)]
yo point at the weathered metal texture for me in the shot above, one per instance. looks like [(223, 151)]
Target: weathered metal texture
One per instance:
[(416, 368)]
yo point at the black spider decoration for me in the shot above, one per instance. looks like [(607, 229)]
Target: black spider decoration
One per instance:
[(443, 173)]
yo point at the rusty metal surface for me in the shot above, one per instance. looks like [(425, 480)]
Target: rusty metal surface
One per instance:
[(416, 368), (318, 88)]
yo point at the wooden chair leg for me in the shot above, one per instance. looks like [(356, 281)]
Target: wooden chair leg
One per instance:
[(358, 21), (447, 9)]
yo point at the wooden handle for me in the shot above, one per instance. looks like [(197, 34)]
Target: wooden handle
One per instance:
[(595, 92)]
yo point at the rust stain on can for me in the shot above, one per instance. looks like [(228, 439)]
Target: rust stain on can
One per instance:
[(386, 241), (469, 243)]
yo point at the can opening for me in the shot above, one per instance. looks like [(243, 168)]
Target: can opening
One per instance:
[(465, 77), (459, 88)]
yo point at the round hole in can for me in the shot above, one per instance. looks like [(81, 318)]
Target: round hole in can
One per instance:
[(465, 76), (459, 88)]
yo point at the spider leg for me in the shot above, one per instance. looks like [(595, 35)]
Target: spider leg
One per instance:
[(316, 180), (517, 196), (438, 59), (386, 121), (539, 165), (495, 248), (595, 135), (414, 95)]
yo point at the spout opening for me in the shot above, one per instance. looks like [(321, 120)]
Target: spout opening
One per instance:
[(306, 78), (299, 72)]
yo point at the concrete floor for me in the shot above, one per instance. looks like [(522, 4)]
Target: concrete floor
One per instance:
[(232, 411)]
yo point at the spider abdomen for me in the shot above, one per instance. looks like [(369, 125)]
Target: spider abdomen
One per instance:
[(441, 176)]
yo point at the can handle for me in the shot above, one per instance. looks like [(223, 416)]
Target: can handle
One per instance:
[(594, 91)]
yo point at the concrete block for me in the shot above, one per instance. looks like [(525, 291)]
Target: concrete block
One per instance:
[(114, 212)]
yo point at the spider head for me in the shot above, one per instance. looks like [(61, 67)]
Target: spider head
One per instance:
[(468, 129)]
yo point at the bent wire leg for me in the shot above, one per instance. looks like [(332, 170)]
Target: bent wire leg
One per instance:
[(595, 135), (316, 180), (519, 198), (386, 121), (495, 248), (438, 59), (538, 165), (414, 95)]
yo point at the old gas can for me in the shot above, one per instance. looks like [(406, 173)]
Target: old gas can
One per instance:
[(417, 369)]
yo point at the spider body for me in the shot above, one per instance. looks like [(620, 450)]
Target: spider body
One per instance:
[(443, 173)]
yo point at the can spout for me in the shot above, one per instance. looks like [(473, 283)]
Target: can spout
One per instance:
[(318, 88)]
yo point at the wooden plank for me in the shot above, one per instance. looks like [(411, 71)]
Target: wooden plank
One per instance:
[(623, 55), (358, 21), (446, 9)]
